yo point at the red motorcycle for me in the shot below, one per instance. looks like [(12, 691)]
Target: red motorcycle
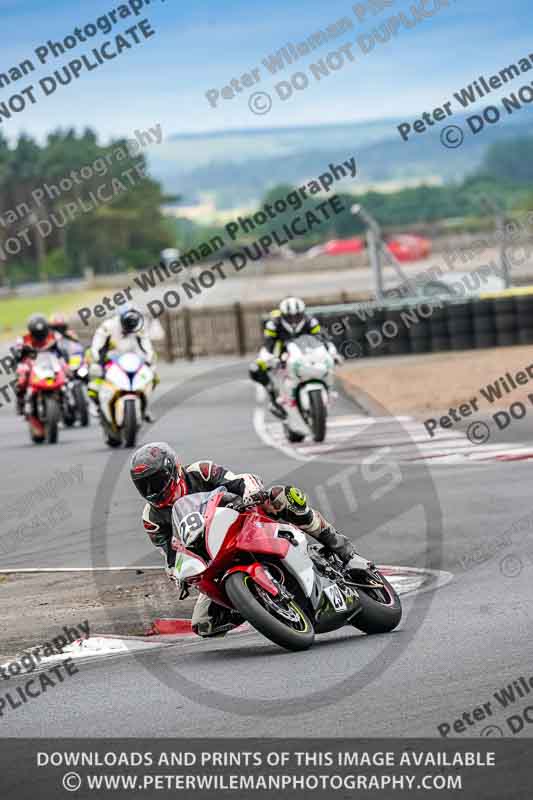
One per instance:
[(44, 400), (287, 589)]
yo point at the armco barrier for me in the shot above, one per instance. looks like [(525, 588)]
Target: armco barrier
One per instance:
[(430, 325)]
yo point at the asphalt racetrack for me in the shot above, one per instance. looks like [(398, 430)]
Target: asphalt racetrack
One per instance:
[(456, 645)]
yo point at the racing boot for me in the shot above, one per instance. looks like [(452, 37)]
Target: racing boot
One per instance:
[(338, 544), (219, 625), (209, 619), (275, 408)]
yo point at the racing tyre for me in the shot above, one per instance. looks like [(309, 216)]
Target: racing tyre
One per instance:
[(285, 624), (317, 413), (68, 420), (53, 413), (381, 609), (82, 405), (130, 423)]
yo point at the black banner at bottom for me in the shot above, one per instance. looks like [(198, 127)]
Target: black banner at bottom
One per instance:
[(484, 769)]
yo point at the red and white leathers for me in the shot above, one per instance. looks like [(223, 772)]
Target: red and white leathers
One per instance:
[(26, 347)]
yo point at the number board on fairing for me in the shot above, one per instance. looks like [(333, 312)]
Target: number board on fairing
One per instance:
[(191, 527), (335, 597)]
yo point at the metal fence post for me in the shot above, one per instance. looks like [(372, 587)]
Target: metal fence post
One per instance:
[(240, 329), (187, 335)]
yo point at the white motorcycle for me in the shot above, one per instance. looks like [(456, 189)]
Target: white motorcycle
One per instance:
[(304, 384), (124, 396)]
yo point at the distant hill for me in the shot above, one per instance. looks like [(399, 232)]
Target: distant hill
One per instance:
[(238, 167)]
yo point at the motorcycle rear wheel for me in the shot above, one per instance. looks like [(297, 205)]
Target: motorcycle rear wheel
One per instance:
[(376, 615), (53, 413), (291, 628)]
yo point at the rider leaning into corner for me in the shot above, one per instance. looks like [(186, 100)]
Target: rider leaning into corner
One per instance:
[(38, 339), (123, 333), (161, 480), (285, 323)]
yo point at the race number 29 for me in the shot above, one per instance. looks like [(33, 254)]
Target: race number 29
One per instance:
[(191, 527)]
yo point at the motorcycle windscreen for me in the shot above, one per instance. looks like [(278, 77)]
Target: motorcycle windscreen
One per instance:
[(308, 342), (190, 515), (45, 365)]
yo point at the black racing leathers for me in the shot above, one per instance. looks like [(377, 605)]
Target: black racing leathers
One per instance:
[(202, 476), (284, 502), (276, 335)]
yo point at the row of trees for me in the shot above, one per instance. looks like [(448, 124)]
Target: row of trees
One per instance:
[(128, 231), (504, 178)]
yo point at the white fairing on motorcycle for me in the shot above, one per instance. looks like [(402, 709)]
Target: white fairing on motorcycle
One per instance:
[(305, 382), (128, 384), (45, 366), (297, 559), (222, 520), (188, 565)]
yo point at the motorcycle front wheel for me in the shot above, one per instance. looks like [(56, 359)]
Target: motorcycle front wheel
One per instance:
[(130, 423), (82, 406), (53, 413), (381, 609), (283, 622)]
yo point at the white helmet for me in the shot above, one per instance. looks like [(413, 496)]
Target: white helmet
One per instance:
[(292, 314)]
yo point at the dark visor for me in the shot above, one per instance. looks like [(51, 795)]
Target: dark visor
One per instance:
[(294, 319), (152, 486)]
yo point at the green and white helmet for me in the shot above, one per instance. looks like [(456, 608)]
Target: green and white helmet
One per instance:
[(292, 314)]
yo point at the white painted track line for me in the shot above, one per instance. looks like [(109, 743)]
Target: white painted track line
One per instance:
[(407, 438)]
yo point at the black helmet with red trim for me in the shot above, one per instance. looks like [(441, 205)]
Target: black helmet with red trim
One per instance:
[(157, 474)]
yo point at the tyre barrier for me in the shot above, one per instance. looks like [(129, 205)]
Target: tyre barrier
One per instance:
[(432, 325)]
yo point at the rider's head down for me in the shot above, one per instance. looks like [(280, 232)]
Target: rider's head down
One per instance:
[(157, 474), (292, 314), (131, 320), (38, 327)]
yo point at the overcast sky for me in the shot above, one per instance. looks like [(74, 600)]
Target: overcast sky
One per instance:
[(203, 44)]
